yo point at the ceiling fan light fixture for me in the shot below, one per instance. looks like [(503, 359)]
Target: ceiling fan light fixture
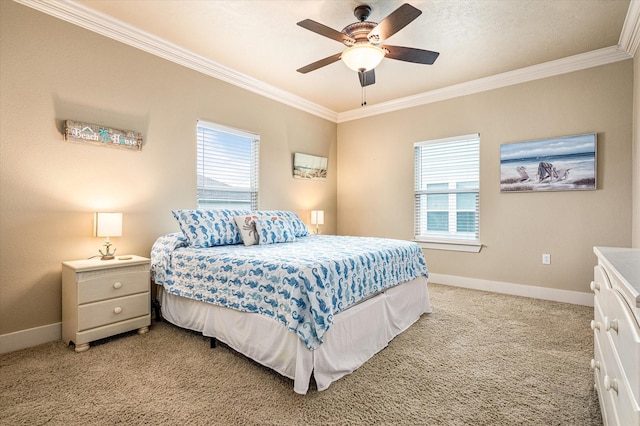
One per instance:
[(362, 57)]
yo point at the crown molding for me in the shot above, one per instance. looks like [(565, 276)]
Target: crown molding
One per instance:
[(98, 22), (547, 69), (630, 35), (92, 20)]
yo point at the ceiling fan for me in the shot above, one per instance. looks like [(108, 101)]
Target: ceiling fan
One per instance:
[(363, 39)]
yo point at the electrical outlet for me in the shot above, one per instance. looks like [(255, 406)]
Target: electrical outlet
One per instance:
[(546, 259)]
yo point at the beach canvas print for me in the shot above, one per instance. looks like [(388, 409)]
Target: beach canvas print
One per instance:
[(556, 164), (309, 167)]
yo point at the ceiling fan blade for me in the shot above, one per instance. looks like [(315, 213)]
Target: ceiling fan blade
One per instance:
[(319, 64), (397, 20), (410, 54), (367, 78), (323, 30)]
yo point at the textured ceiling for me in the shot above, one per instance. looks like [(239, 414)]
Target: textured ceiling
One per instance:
[(475, 38)]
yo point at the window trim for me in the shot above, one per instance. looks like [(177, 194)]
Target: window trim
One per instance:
[(450, 244)]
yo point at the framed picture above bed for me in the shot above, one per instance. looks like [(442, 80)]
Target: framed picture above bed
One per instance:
[(307, 166), (566, 163)]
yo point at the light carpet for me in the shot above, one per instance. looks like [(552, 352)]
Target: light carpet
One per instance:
[(479, 359)]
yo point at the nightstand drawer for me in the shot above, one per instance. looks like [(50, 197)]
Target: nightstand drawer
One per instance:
[(108, 286), (110, 311)]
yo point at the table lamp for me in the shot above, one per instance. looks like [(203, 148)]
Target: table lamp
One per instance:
[(108, 225), (317, 218)]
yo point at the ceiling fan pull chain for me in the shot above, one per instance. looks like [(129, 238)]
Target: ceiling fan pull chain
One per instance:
[(363, 101)]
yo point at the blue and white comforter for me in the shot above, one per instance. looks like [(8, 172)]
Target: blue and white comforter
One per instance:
[(301, 284)]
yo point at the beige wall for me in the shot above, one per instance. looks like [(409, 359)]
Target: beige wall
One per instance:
[(49, 189), (375, 176), (636, 150), (51, 71)]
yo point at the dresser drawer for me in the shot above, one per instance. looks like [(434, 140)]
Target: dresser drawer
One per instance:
[(620, 406), (600, 279), (627, 293), (608, 409), (110, 311), (619, 324), (110, 285)]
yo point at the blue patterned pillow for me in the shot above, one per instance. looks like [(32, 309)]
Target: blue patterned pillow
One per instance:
[(274, 230), (297, 225), (208, 228)]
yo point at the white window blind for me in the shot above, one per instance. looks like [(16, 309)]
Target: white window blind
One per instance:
[(447, 188), (227, 167)]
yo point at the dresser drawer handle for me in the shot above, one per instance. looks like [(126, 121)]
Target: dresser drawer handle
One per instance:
[(117, 310), (594, 325), (610, 324), (594, 286), (610, 384), (595, 365), (117, 285)]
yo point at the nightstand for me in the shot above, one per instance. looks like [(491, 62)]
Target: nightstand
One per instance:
[(101, 298)]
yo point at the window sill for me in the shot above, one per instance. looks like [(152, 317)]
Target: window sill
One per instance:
[(468, 247)]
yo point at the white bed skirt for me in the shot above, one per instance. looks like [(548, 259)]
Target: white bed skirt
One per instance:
[(355, 336)]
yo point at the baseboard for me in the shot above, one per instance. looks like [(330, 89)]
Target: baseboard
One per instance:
[(553, 294), (31, 337)]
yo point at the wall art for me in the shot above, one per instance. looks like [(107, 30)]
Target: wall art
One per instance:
[(307, 166), (556, 164), (94, 134)]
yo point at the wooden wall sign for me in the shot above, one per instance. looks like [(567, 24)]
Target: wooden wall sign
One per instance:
[(75, 131)]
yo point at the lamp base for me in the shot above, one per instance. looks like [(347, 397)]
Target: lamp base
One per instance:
[(108, 255)]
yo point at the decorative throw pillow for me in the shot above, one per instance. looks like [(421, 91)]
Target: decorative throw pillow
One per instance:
[(274, 230), (297, 225), (247, 228), (208, 228)]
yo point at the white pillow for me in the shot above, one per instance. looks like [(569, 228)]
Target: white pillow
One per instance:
[(247, 228)]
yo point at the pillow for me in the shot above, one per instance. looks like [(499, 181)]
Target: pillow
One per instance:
[(274, 230), (297, 225), (208, 228), (247, 228)]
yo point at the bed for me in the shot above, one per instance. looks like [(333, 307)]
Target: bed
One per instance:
[(298, 303)]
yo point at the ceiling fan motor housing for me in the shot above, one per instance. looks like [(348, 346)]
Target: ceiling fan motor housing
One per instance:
[(359, 32)]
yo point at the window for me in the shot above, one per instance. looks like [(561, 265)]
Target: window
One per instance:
[(227, 167), (447, 187)]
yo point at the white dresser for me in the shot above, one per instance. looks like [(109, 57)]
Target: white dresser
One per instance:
[(101, 298), (616, 326)]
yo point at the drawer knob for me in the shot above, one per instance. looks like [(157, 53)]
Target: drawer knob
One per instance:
[(610, 384), (610, 324), (117, 310), (595, 365), (594, 286), (595, 324), (117, 285)]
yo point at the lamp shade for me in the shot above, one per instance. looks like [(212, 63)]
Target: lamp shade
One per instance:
[(317, 217), (362, 57), (108, 224)]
